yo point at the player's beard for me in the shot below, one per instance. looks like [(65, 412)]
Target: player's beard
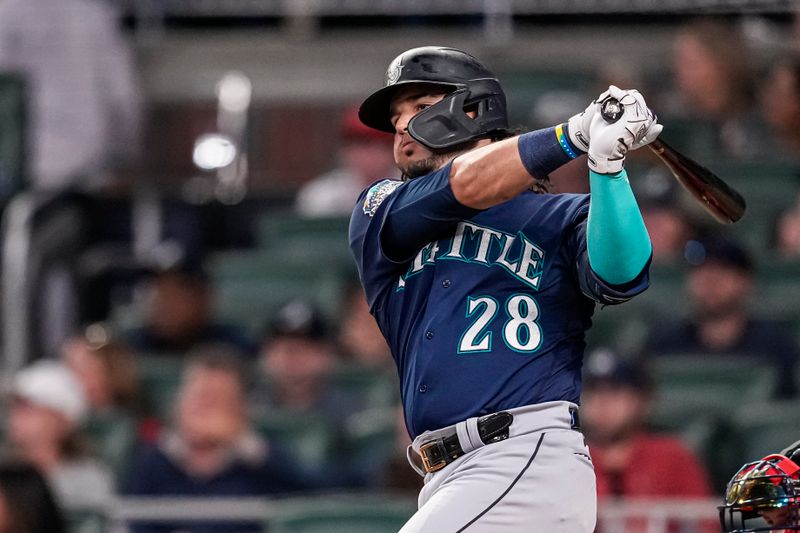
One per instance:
[(435, 161), (415, 169)]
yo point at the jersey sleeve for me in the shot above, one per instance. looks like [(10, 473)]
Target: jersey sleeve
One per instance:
[(392, 220), (592, 285)]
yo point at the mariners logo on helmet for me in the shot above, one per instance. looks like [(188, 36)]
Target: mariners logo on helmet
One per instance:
[(394, 71)]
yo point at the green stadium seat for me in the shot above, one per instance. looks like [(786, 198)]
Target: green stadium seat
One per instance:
[(703, 385), (251, 285), (376, 387), (778, 290), (368, 515), (284, 226), (159, 378), (769, 186), (309, 438), (306, 239), (766, 427), (370, 435), (113, 437)]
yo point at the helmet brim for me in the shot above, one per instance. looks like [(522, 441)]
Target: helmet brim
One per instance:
[(375, 110)]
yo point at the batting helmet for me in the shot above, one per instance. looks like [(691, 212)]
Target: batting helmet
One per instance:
[(470, 87), (763, 496)]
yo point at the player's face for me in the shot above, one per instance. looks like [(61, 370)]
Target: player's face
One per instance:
[(412, 158), (776, 517)]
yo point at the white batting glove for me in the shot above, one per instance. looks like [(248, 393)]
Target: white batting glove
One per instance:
[(610, 142)]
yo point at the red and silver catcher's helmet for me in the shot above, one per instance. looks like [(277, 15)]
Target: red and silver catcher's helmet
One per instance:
[(763, 496)]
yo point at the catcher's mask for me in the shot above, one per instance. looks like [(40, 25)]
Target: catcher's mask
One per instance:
[(760, 492), (470, 87)]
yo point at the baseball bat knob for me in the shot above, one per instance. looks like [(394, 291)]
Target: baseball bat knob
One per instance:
[(611, 110)]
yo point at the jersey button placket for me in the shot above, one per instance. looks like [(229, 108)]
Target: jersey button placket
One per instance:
[(446, 284), (423, 388), (429, 335)]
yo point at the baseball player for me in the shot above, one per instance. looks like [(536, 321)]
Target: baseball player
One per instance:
[(764, 495), (484, 288)]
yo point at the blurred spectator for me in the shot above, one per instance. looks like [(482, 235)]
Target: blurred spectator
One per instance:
[(787, 232), (178, 315), (667, 222), (780, 103), (365, 156), (107, 373), (47, 406), (84, 100), (298, 360), (360, 339), (715, 81), (26, 502), (630, 461), (395, 474), (720, 286), (106, 370), (211, 450)]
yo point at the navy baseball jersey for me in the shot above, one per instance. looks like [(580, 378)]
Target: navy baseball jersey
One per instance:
[(484, 310)]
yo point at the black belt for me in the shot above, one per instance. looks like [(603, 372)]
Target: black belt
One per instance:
[(438, 453)]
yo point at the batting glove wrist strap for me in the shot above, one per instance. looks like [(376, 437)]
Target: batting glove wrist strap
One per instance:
[(578, 127)]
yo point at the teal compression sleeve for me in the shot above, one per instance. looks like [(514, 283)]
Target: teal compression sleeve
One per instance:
[(617, 240)]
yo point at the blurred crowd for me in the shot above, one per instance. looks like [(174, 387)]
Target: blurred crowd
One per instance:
[(183, 403)]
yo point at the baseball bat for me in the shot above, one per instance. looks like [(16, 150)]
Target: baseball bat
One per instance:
[(718, 198)]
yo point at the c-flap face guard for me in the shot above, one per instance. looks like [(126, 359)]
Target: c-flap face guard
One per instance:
[(446, 124)]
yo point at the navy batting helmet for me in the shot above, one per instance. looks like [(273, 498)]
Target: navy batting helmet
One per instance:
[(763, 496), (470, 87)]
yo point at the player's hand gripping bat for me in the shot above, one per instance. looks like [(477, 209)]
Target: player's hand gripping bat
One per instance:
[(717, 197)]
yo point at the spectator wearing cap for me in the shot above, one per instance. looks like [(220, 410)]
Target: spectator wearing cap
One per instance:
[(365, 156), (46, 409), (211, 448), (178, 314), (720, 286), (629, 460), (297, 359)]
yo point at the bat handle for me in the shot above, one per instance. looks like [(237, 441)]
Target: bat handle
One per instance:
[(657, 146)]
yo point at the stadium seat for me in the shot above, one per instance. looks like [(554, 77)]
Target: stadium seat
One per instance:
[(778, 290), (251, 285), (766, 427), (369, 515), (308, 438), (370, 436), (377, 387), (704, 385), (113, 438), (313, 238), (159, 378)]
